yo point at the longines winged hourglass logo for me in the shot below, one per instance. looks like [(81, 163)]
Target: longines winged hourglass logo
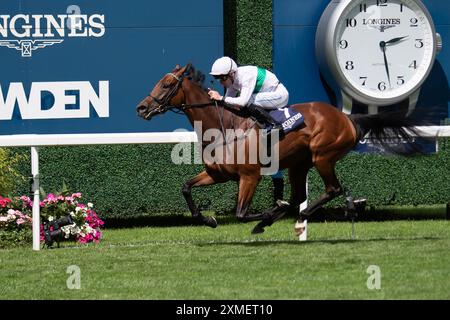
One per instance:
[(27, 33)]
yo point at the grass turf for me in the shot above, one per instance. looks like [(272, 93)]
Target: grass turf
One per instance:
[(195, 262)]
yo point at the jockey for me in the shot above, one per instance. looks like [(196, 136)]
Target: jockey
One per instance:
[(250, 87)]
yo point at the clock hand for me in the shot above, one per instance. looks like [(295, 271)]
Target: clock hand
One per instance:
[(386, 65), (395, 40)]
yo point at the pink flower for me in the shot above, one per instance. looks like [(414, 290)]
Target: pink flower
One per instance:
[(87, 223), (4, 202), (50, 197), (25, 199)]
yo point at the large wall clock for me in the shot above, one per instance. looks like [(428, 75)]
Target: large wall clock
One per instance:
[(376, 52)]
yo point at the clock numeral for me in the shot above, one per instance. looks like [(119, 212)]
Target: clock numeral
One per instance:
[(343, 44), (414, 22), (382, 86), (382, 3), (351, 22), (364, 80), (363, 7), (401, 80), (349, 65), (413, 65), (401, 7), (419, 43)]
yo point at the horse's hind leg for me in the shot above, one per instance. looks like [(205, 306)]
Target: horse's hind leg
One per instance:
[(202, 179), (297, 179), (332, 187)]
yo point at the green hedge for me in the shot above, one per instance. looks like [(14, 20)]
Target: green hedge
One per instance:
[(140, 180), (248, 31), (130, 180), (136, 180)]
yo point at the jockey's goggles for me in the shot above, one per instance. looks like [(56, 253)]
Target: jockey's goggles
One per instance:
[(222, 77)]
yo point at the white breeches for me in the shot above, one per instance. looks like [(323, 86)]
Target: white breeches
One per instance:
[(271, 100)]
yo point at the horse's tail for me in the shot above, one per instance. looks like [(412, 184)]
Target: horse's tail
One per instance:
[(392, 130)]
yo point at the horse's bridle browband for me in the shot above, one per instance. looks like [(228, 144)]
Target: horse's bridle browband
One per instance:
[(163, 105)]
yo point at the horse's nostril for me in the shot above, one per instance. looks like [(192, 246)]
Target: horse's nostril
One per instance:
[(141, 108)]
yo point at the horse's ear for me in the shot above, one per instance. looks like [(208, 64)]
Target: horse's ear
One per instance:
[(185, 70), (177, 67), (188, 69)]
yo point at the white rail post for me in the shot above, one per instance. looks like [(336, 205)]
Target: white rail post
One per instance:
[(35, 189)]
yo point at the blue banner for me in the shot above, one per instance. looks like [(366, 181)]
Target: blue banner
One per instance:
[(82, 67)]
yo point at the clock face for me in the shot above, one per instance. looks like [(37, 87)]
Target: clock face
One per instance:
[(384, 48)]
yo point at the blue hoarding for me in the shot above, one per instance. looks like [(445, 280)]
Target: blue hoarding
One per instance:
[(81, 67)]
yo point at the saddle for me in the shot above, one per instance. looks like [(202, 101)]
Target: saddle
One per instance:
[(288, 117), (284, 119)]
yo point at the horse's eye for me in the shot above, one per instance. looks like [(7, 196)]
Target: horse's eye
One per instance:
[(165, 85)]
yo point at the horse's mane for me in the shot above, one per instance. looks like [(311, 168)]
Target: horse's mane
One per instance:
[(196, 76)]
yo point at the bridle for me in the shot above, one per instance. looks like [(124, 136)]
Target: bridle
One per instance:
[(164, 103)]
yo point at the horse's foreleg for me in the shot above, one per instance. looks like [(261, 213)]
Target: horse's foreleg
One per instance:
[(202, 179), (247, 188)]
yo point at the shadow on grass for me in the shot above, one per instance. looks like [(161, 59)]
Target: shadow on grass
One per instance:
[(161, 220), (262, 242), (322, 215)]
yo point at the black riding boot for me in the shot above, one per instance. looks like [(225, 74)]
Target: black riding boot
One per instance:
[(264, 119)]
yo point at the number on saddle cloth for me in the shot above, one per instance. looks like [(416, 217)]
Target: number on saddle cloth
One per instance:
[(288, 117)]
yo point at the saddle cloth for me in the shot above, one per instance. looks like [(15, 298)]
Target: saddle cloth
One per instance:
[(288, 117)]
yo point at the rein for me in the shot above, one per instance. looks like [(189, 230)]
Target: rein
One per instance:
[(163, 106)]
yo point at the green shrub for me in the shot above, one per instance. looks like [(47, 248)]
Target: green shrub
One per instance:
[(10, 176), (18, 238)]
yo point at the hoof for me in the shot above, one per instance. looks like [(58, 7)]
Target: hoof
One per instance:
[(301, 230), (210, 222), (258, 229)]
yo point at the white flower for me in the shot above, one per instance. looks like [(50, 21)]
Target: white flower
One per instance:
[(90, 205), (88, 229), (72, 213), (75, 230), (50, 218), (78, 209)]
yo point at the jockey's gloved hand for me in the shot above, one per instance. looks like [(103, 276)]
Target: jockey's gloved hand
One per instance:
[(214, 95)]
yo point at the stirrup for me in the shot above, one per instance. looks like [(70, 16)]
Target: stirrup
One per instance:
[(268, 130)]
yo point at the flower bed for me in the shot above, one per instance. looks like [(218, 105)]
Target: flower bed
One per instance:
[(81, 222)]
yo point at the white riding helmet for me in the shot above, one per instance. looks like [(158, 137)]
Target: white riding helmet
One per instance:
[(223, 66)]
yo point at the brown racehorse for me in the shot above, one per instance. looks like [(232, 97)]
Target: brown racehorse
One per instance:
[(326, 137)]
